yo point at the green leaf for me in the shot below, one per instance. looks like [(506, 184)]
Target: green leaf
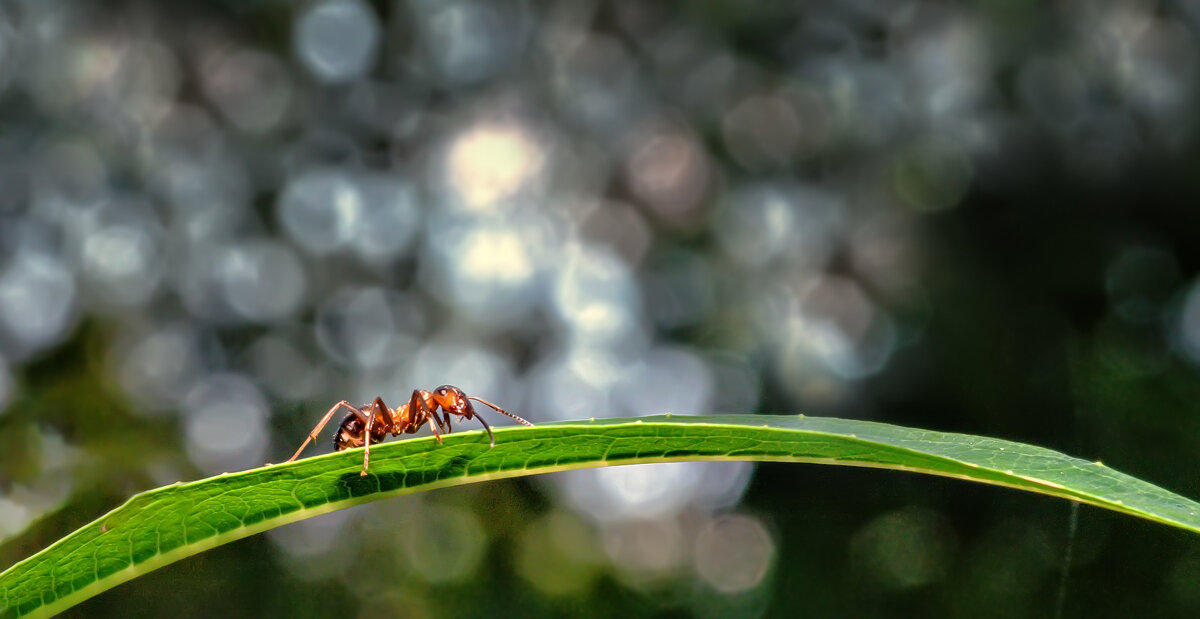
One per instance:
[(161, 526)]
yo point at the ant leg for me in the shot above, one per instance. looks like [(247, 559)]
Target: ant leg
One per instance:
[(367, 443), (312, 436), (383, 410), (378, 409), (434, 426), (500, 410), (416, 405)]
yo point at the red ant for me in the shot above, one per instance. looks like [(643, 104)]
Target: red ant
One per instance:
[(376, 420)]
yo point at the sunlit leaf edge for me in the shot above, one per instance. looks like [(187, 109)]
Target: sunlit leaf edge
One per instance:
[(160, 526)]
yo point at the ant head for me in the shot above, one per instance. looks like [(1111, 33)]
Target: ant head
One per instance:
[(453, 400)]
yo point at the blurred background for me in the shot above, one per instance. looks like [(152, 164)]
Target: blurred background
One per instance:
[(218, 218)]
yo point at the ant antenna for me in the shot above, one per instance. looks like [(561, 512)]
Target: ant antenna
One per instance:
[(491, 437), (499, 410)]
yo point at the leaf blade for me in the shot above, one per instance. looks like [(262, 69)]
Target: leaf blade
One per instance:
[(161, 526)]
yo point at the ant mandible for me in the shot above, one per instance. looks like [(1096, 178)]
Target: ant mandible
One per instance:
[(376, 420)]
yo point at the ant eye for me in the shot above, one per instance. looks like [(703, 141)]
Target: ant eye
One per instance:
[(442, 391)]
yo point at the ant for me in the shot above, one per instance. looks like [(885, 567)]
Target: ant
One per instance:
[(376, 420)]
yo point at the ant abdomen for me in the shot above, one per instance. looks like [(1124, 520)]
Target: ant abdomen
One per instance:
[(351, 432)]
